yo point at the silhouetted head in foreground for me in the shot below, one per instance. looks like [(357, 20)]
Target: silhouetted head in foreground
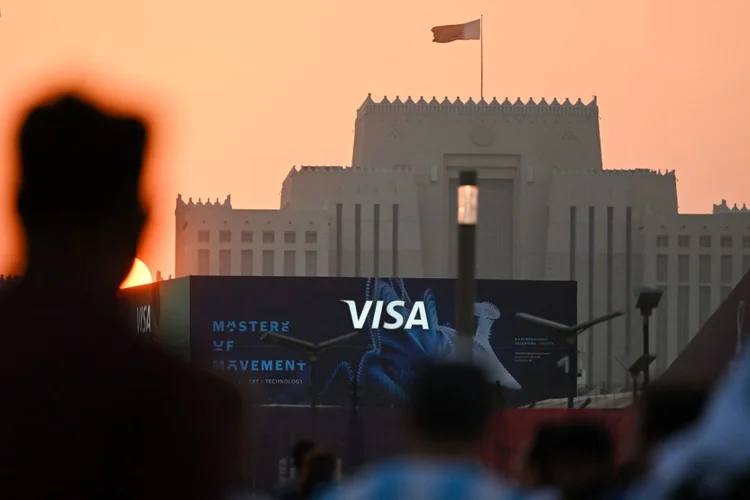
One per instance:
[(582, 463), (538, 465), (300, 451), (80, 174), (319, 473), (665, 410), (451, 410)]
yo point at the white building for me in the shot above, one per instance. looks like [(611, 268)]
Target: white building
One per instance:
[(547, 211)]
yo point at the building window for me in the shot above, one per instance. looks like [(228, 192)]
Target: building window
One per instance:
[(225, 236), (704, 268), (662, 242), (704, 305), (268, 236), (726, 242), (726, 268), (203, 262), (204, 236), (746, 242), (290, 237), (683, 241), (268, 267), (662, 268), (704, 242), (225, 262), (246, 263), (246, 236), (683, 268), (311, 237), (725, 291), (311, 263), (290, 263)]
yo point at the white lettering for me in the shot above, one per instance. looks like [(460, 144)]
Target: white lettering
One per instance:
[(398, 320), (393, 310), (143, 319), (358, 320)]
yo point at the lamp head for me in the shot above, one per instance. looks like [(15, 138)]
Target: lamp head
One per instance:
[(648, 299), (467, 178), (468, 198)]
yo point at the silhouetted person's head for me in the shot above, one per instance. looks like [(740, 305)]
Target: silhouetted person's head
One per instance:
[(583, 460), (300, 451), (538, 465), (664, 411), (451, 409), (319, 472), (79, 197)]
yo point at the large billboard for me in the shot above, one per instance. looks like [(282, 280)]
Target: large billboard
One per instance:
[(160, 312), (404, 322)]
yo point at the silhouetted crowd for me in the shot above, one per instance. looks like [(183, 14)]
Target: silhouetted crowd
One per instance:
[(8, 280), (90, 411)]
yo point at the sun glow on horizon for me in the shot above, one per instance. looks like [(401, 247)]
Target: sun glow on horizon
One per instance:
[(139, 275)]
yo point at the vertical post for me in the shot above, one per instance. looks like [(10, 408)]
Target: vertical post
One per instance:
[(646, 350), (648, 300), (466, 280), (356, 446), (572, 370), (314, 394), (481, 56)]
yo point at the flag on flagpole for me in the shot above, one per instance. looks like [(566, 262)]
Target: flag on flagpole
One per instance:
[(453, 32)]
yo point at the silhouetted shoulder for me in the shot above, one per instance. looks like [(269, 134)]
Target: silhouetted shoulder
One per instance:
[(125, 412)]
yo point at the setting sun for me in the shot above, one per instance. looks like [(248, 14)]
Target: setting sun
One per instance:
[(139, 275)]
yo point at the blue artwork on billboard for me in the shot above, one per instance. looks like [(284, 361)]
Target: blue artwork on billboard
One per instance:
[(404, 323), (396, 347)]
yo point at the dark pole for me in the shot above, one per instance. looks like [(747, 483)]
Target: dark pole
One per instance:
[(572, 370), (635, 386), (466, 279), (648, 300), (646, 346), (314, 394), (356, 446)]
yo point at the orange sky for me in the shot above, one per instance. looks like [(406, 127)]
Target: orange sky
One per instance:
[(241, 90)]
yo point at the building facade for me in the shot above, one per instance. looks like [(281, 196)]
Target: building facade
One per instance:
[(547, 210)]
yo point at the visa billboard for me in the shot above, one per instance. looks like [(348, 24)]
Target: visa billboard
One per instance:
[(404, 322)]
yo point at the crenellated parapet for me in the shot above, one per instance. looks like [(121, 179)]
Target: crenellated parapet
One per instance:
[(348, 170), (182, 205), (494, 107), (723, 209), (640, 172)]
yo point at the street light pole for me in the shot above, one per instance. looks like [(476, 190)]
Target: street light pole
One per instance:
[(635, 368), (314, 356), (571, 338), (646, 347), (648, 300), (468, 198), (312, 350), (356, 436)]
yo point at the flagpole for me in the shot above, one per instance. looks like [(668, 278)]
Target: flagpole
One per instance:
[(481, 56)]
